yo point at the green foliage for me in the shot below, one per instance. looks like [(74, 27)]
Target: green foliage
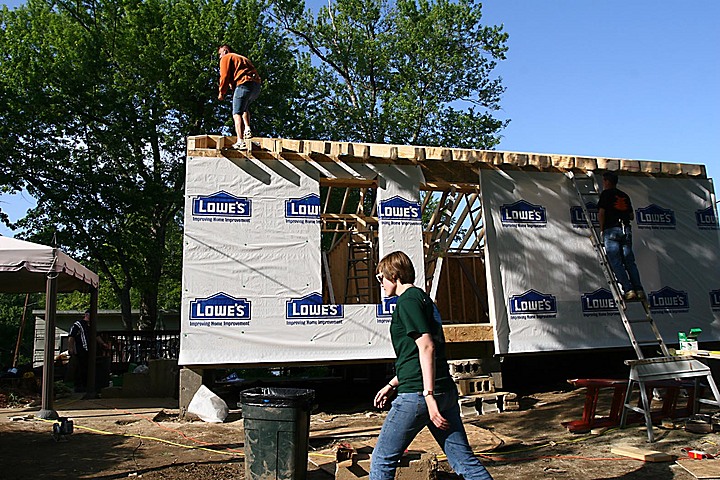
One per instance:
[(11, 312), (408, 71), (98, 98)]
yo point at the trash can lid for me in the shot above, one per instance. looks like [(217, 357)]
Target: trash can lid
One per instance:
[(277, 397)]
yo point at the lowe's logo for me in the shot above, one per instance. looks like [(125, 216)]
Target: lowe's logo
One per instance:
[(311, 307), (667, 299), (599, 301), (706, 219), (385, 309), (715, 300), (221, 204), (220, 306), (534, 303), (305, 207), (577, 216), (398, 208), (523, 213), (654, 216)]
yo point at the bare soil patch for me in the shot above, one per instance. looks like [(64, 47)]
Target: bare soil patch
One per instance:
[(123, 438)]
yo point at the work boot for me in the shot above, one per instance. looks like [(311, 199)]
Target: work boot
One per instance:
[(641, 294), (630, 295), (239, 145)]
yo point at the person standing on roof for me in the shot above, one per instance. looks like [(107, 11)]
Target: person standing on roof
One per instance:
[(615, 213), (239, 74)]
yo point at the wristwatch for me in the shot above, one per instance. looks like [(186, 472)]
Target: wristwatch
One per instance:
[(428, 393)]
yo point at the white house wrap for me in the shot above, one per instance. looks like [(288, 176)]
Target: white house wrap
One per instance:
[(548, 290), (251, 275)]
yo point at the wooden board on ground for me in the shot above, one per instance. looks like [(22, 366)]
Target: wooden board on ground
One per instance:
[(480, 439), (641, 454), (703, 469)]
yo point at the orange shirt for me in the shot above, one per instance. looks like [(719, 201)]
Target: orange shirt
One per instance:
[(236, 70)]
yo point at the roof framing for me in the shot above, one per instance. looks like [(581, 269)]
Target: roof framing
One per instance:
[(443, 168)]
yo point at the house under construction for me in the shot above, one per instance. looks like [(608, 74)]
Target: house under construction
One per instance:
[(282, 243)]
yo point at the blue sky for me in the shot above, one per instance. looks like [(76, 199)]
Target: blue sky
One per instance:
[(635, 79)]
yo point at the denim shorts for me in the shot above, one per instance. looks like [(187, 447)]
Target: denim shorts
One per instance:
[(244, 95)]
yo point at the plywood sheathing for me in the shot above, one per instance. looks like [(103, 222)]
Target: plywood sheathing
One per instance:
[(441, 166)]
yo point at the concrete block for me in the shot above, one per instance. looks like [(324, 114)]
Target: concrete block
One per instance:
[(489, 405), (470, 386), (423, 468), (473, 367), (413, 466), (510, 402), (497, 379), (468, 406), (190, 381)]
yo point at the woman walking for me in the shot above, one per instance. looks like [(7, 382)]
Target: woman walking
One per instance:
[(426, 393)]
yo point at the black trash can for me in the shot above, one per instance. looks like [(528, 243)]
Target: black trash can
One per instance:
[(277, 427)]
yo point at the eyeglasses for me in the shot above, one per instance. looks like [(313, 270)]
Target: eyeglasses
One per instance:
[(379, 277)]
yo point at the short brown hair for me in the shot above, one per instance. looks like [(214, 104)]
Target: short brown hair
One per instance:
[(397, 266), (611, 177)]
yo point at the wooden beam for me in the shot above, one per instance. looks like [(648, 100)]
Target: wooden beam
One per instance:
[(348, 182), (471, 332), (448, 160)]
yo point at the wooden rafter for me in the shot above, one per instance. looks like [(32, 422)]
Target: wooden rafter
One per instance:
[(439, 165)]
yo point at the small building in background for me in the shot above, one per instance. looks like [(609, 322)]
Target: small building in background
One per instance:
[(136, 346)]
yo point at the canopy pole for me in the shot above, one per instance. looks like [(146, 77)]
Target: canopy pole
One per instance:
[(47, 412), (92, 346)]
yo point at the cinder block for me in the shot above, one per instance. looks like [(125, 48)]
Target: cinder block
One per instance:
[(465, 368), (510, 402), (497, 379), (413, 466), (489, 405), (473, 367), (468, 406), (423, 468), (190, 381), (471, 386)]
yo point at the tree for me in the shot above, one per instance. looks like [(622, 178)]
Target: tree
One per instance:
[(98, 97), (405, 72), (11, 314)]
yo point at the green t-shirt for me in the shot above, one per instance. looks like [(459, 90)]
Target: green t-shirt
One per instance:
[(414, 314)]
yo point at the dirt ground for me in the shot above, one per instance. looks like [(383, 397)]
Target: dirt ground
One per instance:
[(124, 438)]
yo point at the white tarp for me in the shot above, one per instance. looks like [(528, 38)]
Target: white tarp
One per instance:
[(252, 288), (548, 290)]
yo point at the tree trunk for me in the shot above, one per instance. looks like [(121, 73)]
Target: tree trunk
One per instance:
[(148, 309), (126, 308)]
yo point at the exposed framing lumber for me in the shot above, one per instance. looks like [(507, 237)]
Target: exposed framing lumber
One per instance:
[(477, 332), (434, 160)]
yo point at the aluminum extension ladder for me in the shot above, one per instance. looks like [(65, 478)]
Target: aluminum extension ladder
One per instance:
[(642, 370)]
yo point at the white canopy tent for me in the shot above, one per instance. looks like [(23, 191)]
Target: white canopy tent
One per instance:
[(27, 267)]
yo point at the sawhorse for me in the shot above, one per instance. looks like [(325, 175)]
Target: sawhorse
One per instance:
[(593, 386)]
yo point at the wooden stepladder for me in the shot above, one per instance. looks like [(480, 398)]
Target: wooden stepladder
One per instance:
[(642, 370), (360, 283)]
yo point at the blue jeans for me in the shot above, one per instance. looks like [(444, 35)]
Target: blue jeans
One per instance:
[(618, 246), (243, 96), (408, 415)]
